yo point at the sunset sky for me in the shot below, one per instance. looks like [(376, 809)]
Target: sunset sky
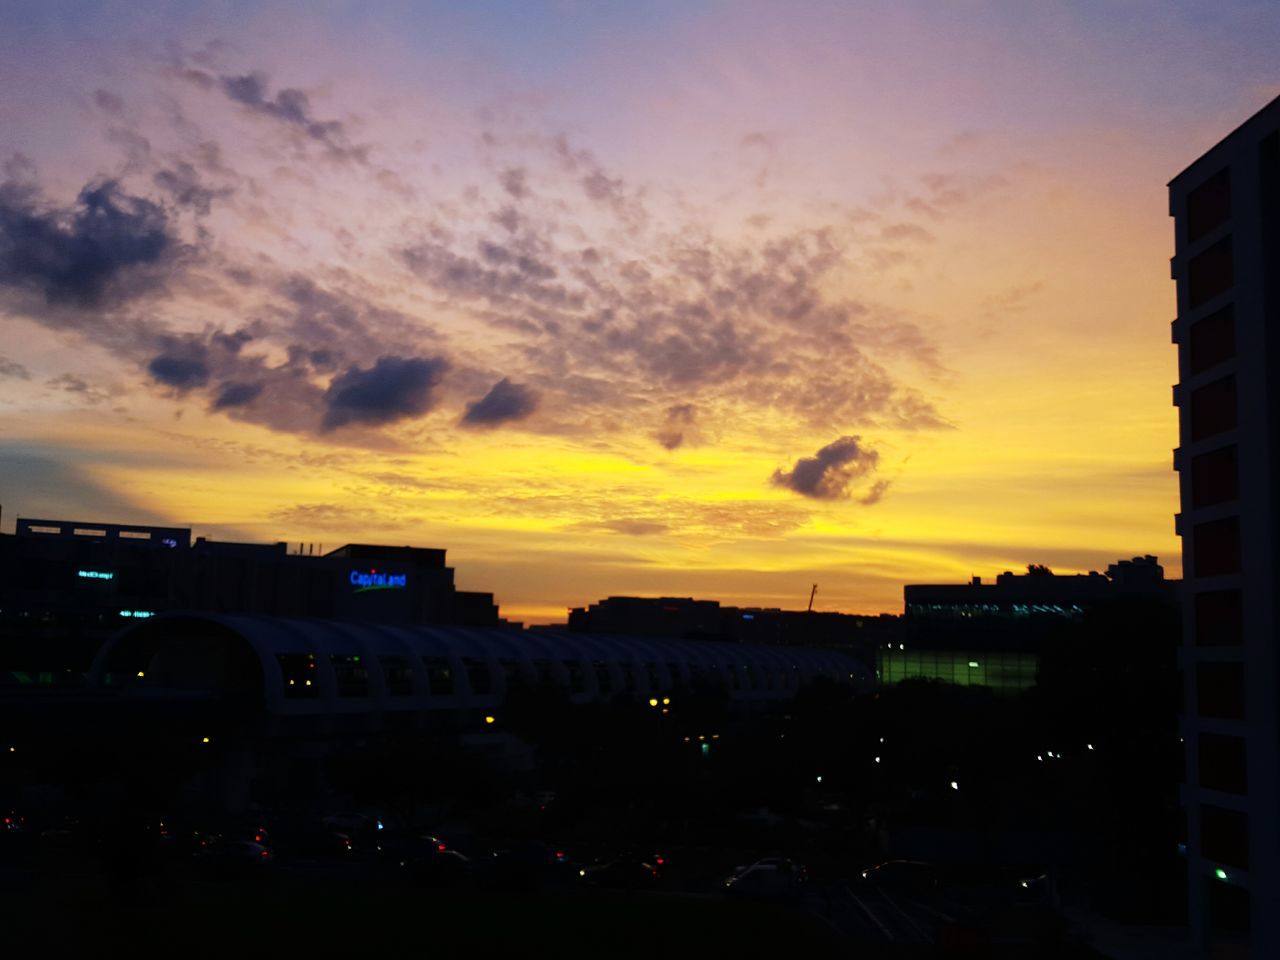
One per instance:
[(695, 299)]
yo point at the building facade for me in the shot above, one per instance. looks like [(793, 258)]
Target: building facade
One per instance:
[(1226, 210), (67, 586)]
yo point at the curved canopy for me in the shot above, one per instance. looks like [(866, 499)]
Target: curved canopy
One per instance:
[(319, 666)]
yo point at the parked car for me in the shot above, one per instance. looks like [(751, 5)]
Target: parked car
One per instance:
[(622, 873), (235, 858), (772, 879), (906, 875)]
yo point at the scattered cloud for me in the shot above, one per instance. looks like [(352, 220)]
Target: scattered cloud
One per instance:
[(831, 472), (13, 369), (95, 253), (506, 402), (392, 389), (680, 422), (292, 107), (236, 394)]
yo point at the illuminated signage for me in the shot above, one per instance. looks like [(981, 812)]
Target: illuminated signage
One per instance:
[(137, 614), (373, 580), (95, 575)]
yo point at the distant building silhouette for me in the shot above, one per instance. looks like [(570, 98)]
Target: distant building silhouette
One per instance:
[(991, 634), (1226, 210), (65, 586), (686, 618)]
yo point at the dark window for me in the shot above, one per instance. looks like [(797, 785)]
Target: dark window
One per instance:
[(1210, 273), (1218, 622), (351, 674), (1224, 836), (1212, 340), (399, 676), (1223, 763), (655, 682), (577, 677), (1213, 408), (1217, 547), (298, 674), (604, 681), (479, 677), (1214, 477), (511, 672), (439, 676), (1229, 909), (1209, 205), (1220, 690)]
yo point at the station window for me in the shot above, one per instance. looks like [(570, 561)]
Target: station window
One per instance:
[(673, 671), (655, 682), (1217, 547), (439, 676), (577, 676), (399, 676), (1210, 273), (478, 676), (1212, 340), (1209, 205), (1223, 763), (1224, 836), (1218, 618), (1215, 477), (604, 682), (298, 675), (1213, 408), (351, 675), (1220, 690)]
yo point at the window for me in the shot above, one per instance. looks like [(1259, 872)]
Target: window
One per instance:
[(351, 675), (1223, 763), (1214, 477), (439, 676), (1213, 408), (1209, 205), (1220, 690), (399, 676), (577, 676), (1217, 547), (511, 672), (1218, 621), (1210, 273), (298, 675), (604, 681), (1224, 836), (1212, 340), (478, 676)]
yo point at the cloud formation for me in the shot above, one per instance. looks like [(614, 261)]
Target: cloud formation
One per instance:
[(680, 421), (392, 389), (831, 472), (89, 255), (13, 369), (504, 403), (293, 107)]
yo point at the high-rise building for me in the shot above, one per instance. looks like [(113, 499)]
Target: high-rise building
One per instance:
[(1226, 208)]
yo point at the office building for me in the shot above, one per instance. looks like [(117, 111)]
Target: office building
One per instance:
[(1226, 210)]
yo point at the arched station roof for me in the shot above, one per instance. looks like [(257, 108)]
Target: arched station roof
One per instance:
[(319, 666)]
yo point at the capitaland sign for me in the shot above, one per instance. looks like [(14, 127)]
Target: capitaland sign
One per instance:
[(373, 580)]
